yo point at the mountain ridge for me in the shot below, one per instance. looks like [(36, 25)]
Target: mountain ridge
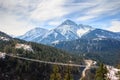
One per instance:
[(66, 31), (33, 33), (100, 33), (104, 50)]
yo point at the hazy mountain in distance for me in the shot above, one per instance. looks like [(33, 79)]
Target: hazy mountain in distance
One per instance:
[(34, 33)]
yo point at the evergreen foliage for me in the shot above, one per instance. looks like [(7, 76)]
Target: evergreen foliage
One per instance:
[(101, 73), (55, 75), (68, 74), (97, 50), (17, 69)]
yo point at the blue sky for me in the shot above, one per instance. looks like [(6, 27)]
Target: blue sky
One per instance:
[(19, 16)]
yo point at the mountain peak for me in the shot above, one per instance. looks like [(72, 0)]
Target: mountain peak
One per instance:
[(68, 22), (33, 33), (36, 30)]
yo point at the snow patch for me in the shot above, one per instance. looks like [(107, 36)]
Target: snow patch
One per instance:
[(80, 32), (2, 55), (64, 29), (112, 73), (4, 38), (56, 35), (33, 34), (24, 46), (55, 42), (98, 38), (47, 34)]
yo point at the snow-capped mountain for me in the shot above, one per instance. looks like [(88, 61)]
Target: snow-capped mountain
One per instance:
[(99, 33), (50, 37), (34, 33), (97, 44), (66, 31), (70, 30)]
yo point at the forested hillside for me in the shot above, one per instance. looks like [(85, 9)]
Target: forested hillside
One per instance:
[(100, 49), (17, 69)]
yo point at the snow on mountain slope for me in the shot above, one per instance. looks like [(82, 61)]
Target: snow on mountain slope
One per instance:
[(99, 33), (69, 26), (84, 29), (24, 46), (51, 37), (66, 31), (32, 34)]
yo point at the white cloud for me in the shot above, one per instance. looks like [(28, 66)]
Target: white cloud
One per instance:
[(115, 26), (99, 8), (85, 18), (49, 9), (10, 25), (18, 14), (18, 6), (102, 7)]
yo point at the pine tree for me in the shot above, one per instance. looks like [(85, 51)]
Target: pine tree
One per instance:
[(101, 73), (68, 75), (55, 75), (8, 49)]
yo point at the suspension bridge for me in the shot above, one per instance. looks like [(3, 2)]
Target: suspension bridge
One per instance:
[(47, 62)]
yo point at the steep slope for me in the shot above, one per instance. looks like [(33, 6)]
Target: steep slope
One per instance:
[(51, 37), (66, 31), (69, 28), (99, 33), (33, 34)]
